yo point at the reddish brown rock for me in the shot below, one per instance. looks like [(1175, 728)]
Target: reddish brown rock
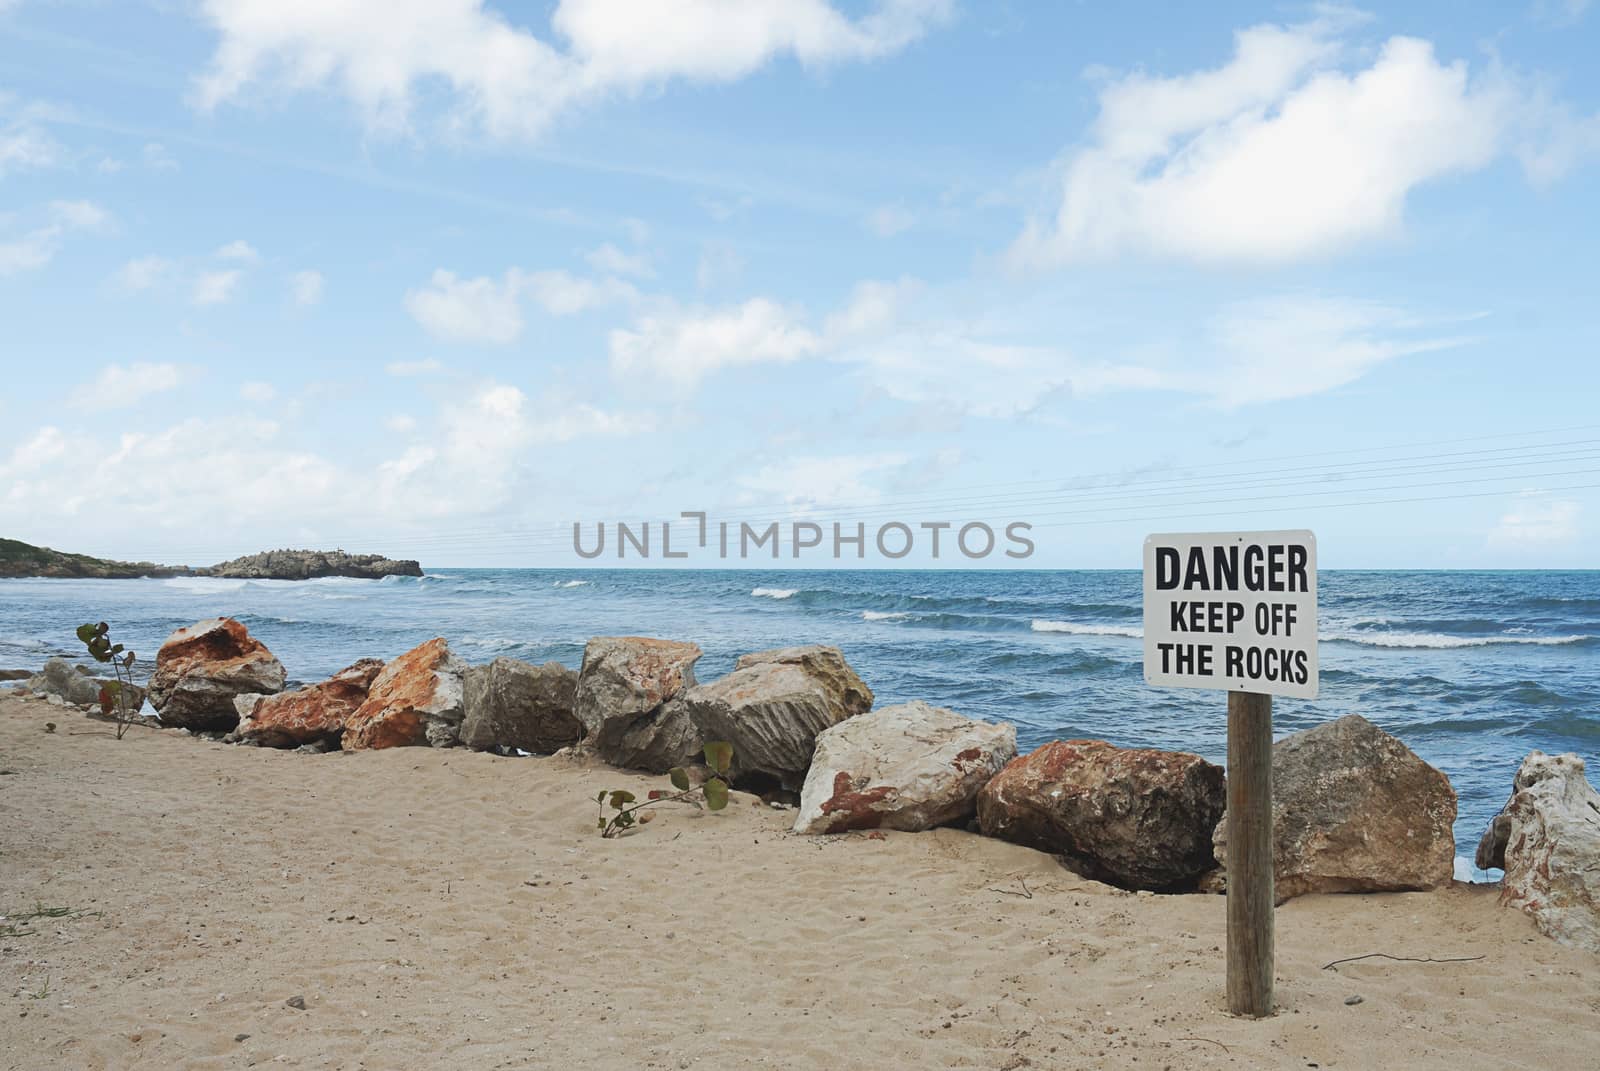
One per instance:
[(1133, 817), (416, 700), (310, 715), (200, 669)]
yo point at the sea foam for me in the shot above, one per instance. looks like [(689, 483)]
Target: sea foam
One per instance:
[(775, 593)]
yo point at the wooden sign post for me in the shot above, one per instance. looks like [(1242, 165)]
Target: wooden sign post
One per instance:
[(1249, 862), (1238, 611)]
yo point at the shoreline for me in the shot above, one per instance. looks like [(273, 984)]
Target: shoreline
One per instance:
[(451, 905)]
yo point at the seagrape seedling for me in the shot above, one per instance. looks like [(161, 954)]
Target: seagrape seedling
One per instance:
[(713, 792), (113, 693)]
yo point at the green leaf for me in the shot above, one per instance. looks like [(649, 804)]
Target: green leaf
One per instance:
[(621, 798), (601, 797), (716, 791), (719, 755), (86, 633), (117, 649), (680, 778)]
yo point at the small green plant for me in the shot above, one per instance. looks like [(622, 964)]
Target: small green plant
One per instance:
[(114, 693), (713, 792)]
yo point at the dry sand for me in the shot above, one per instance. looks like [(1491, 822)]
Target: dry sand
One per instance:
[(457, 910)]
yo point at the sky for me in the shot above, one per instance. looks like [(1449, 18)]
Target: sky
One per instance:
[(439, 278)]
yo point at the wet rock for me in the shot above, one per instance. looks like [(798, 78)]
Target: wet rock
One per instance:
[(771, 708), (417, 699), (1547, 840), (1355, 810), (625, 701), (1133, 817), (314, 714), (201, 668), (515, 704), (908, 767)]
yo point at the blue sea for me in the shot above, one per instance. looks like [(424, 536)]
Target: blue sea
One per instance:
[(1471, 669)]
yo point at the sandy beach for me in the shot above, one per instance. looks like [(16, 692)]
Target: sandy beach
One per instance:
[(456, 909)]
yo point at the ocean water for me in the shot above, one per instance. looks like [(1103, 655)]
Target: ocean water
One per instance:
[(1471, 669)]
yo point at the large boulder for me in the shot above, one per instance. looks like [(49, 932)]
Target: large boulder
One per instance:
[(625, 701), (1547, 840), (201, 668), (909, 767), (517, 705), (1355, 810), (313, 714), (771, 708), (60, 677), (1132, 817), (417, 699)]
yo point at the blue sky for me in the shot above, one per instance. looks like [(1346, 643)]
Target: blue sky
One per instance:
[(439, 278)]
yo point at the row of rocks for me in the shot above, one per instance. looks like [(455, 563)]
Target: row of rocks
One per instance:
[(1354, 810)]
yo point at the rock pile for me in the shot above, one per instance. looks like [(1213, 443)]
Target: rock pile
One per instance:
[(202, 668)]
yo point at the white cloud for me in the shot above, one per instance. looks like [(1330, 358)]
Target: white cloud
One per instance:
[(24, 148), (45, 446), (144, 273), (256, 391), (306, 287), (387, 55), (156, 158), (808, 483), (489, 311), (39, 246), (467, 310), (401, 423), (119, 387), (1535, 522), (890, 220), (215, 287), (609, 260), (1277, 155), (685, 346), (239, 250), (1291, 347), (407, 369)]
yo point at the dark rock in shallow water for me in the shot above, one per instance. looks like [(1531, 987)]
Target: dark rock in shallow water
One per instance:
[(15, 674), (311, 565)]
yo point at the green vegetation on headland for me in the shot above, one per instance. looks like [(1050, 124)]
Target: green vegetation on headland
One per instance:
[(18, 559)]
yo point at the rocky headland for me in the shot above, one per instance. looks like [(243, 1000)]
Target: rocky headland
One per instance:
[(18, 559)]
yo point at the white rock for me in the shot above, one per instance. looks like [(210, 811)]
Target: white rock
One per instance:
[(908, 767), (1547, 839)]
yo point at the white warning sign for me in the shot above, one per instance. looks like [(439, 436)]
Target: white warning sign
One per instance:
[(1232, 610)]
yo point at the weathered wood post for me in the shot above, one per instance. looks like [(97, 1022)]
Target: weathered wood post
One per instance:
[(1250, 891)]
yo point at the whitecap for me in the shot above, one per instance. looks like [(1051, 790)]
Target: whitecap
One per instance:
[(1041, 625), (775, 593), (1438, 641), (879, 615), (570, 583)]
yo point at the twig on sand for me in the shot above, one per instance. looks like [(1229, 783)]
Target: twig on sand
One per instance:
[(1213, 1041), (1026, 893), (1402, 959)]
